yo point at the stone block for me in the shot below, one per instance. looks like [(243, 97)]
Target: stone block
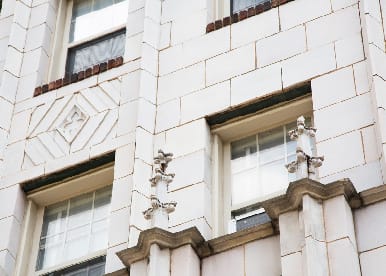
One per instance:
[(228, 263), (139, 268), (127, 119), (14, 155), (339, 221), (139, 203), (207, 101), (124, 161), (19, 126), (141, 176), (6, 114), (184, 261), (13, 63), (255, 84), (174, 9), (181, 82), (119, 226), (332, 27), (230, 64), (197, 49), (372, 8), (121, 193), (39, 36), (164, 39), (13, 201), (168, 115), (313, 219), (190, 26), (17, 38), (292, 232), (375, 33), (343, 152), (292, 264), (171, 59), (333, 88), (22, 14), (362, 78), (143, 149), (345, 117), (316, 258), (370, 144), (10, 231), (201, 224), (7, 263), (292, 42), (196, 132), (149, 60), (340, 4), (290, 17), (309, 64), (372, 262), (135, 22), (146, 115), (113, 263), (133, 47), (186, 174), (378, 61), (370, 225), (349, 50), (34, 61), (255, 28), (262, 257), (343, 258), (193, 202)]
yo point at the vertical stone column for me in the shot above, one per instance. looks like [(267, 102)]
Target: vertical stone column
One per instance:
[(320, 239), (158, 213)]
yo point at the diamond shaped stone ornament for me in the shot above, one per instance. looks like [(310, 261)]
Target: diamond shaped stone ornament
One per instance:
[(72, 123)]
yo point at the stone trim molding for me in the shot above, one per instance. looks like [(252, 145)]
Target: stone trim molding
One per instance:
[(163, 239), (191, 236), (244, 14), (292, 199), (373, 195), (288, 94), (68, 79)]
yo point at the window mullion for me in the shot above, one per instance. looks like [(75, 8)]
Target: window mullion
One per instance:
[(65, 229)]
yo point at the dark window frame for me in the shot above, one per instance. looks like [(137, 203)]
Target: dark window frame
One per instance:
[(78, 266), (72, 50)]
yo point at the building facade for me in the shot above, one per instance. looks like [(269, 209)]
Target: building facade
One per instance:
[(90, 91)]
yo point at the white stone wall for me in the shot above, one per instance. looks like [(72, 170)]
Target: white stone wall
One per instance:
[(173, 76)]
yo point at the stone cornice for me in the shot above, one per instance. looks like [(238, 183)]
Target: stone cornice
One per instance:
[(373, 195), (163, 239), (292, 199)]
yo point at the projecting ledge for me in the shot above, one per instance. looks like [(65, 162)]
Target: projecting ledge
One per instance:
[(274, 207), (292, 199)]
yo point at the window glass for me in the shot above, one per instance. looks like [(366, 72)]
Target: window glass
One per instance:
[(94, 267), (239, 5), (74, 228), (95, 52), (91, 17), (257, 164)]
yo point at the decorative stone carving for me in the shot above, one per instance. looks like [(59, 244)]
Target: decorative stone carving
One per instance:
[(305, 164), (72, 123), (160, 209)]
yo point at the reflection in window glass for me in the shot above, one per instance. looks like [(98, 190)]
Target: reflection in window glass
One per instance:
[(257, 164), (239, 5), (91, 17), (74, 228)]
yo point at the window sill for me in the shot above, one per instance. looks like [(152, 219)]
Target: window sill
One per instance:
[(226, 21), (92, 71)]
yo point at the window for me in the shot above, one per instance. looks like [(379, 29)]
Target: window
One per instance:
[(240, 5), (94, 32), (249, 157), (73, 229)]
